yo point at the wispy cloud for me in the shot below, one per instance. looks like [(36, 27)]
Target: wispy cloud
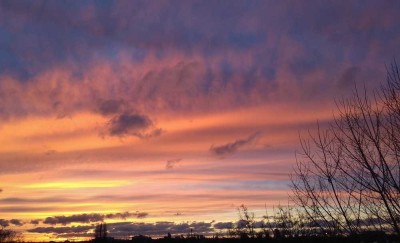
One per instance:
[(232, 147), (91, 218), (170, 164), (122, 228), (61, 230)]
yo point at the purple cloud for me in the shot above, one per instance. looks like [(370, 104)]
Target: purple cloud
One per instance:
[(232, 147)]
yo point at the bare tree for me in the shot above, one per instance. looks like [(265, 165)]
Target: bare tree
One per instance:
[(347, 178), (101, 231), (246, 224), (8, 235)]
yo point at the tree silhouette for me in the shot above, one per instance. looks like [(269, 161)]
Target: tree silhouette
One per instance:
[(100, 232), (347, 178), (9, 235)]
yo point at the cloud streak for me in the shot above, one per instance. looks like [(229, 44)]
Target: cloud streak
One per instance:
[(91, 218), (170, 164), (232, 147), (119, 229)]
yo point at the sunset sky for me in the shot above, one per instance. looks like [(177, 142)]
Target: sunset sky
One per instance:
[(161, 116)]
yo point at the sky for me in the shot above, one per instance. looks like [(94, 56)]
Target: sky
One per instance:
[(161, 116)]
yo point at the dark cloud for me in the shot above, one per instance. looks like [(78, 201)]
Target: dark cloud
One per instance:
[(156, 229), (4, 223), (129, 124), (79, 218), (141, 215), (16, 222), (35, 221), (230, 148), (126, 215), (170, 164), (61, 230), (223, 225), (132, 124), (91, 218), (127, 228), (348, 77), (110, 107), (160, 228)]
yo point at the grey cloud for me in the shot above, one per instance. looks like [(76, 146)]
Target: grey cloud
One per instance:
[(223, 225), (230, 148), (129, 123), (4, 223), (110, 107), (35, 221), (79, 218), (16, 222), (348, 77), (61, 230), (141, 215), (91, 218), (125, 215), (170, 164), (153, 229), (132, 124), (160, 228)]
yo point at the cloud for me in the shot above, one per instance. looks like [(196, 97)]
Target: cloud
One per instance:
[(61, 230), (132, 124), (157, 229), (35, 221), (4, 223), (230, 148), (348, 77), (142, 215), (91, 218), (129, 124), (16, 222), (126, 215), (223, 225), (160, 228), (110, 107), (79, 218), (170, 164)]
